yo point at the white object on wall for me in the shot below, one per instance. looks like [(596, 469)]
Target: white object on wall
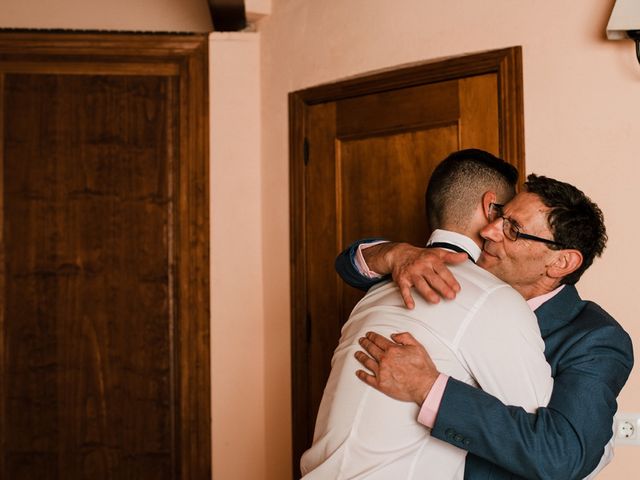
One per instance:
[(625, 22), (625, 18)]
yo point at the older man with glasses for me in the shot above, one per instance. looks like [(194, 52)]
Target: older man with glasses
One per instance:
[(540, 243)]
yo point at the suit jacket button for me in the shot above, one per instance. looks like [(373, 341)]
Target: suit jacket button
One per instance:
[(466, 441), (458, 438), (449, 432)]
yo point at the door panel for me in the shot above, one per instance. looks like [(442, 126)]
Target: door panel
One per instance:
[(104, 339), (85, 199), (382, 188), (399, 109), (479, 121), (382, 184), (362, 153)]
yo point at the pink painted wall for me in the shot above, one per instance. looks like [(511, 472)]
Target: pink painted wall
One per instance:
[(237, 279), (582, 95), (144, 15)]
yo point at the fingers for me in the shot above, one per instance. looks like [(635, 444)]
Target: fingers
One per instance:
[(446, 275), (381, 342), (428, 273), (438, 283), (426, 291), (375, 345), (367, 362), (407, 298), (404, 372), (370, 364), (405, 338), (371, 348), (366, 378), (428, 285)]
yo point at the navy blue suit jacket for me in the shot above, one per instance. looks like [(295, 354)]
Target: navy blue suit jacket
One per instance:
[(591, 357)]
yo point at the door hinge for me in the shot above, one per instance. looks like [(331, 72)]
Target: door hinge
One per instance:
[(308, 327), (306, 151)]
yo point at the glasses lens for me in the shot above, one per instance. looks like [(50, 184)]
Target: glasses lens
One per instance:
[(510, 230)]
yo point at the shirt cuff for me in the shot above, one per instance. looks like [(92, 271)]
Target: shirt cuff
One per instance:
[(361, 265), (431, 405)]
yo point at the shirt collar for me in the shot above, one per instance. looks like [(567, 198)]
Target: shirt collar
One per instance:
[(535, 302), (458, 239)]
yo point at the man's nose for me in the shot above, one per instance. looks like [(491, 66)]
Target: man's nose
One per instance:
[(493, 231)]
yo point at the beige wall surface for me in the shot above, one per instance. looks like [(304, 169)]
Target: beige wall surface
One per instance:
[(132, 15), (581, 96), (237, 327)]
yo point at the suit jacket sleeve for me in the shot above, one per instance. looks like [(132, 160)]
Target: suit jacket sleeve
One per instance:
[(347, 269), (567, 438)]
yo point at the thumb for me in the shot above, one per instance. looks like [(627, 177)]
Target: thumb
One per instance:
[(404, 338)]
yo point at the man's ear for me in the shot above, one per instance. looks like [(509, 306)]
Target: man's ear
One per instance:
[(566, 262), (488, 197)]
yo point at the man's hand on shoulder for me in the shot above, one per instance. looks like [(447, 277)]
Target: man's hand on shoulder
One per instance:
[(401, 369), (425, 269)]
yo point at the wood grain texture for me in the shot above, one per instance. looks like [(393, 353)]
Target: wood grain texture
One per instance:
[(105, 351), (397, 110)]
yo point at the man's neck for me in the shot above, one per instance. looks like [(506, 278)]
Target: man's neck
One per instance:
[(473, 234), (544, 286)]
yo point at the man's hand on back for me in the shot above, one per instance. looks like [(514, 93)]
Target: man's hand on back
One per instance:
[(425, 269), (401, 369)]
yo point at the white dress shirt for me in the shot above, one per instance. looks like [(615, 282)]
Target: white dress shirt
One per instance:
[(487, 336)]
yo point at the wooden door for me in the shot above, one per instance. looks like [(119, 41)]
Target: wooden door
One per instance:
[(104, 348), (362, 154)]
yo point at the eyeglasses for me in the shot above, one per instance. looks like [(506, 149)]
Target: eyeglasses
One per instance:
[(511, 230)]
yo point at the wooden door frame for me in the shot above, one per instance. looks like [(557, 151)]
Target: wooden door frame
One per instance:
[(505, 63), (184, 57)]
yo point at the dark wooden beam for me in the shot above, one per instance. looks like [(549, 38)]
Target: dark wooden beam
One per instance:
[(228, 15)]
